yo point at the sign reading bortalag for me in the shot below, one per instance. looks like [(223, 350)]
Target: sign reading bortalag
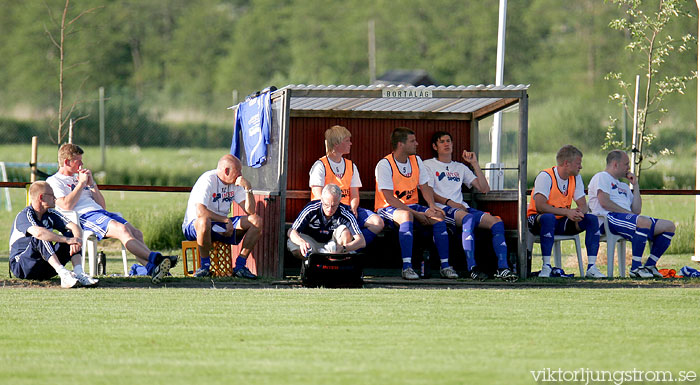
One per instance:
[(407, 92)]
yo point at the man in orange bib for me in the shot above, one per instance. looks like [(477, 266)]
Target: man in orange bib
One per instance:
[(334, 169), (398, 176), (549, 212)]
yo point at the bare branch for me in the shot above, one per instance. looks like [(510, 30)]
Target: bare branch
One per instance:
[(76, 64), (91, 10), (48, 33)]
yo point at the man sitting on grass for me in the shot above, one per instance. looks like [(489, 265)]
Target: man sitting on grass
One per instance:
[(76, 189), (325, 225), (208, 207), (610, 197), (36, 252)]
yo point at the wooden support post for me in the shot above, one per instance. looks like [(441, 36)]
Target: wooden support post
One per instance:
[(32, 162)]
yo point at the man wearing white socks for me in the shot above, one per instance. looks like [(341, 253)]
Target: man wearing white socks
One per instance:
[(36, 252), (610, 197)]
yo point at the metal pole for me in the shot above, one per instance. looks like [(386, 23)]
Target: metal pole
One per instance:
[(372, 52), (102, 128), (696, 257), (495, 174), (635, 123)]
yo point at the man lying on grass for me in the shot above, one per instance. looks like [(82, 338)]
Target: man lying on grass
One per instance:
[(36, 252)]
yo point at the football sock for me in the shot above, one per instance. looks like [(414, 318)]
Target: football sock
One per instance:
[(369, 235), (205, 262), (547, 234), (78, 269), (442, 243), (468, 239), (406, 243), (659, 246), (151, 262), (589, 223), (498, 240), (62, 271), (639, 242), (240, 262)]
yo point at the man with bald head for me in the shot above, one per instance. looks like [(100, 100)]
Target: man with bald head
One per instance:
[(36, 251), (207, 220), (612, 198)]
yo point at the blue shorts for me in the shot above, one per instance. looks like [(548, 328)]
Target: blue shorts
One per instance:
[(562, 226), (624, 224), (451, 211), (388, 213), (363, 215), (191, 233), (97, 221)]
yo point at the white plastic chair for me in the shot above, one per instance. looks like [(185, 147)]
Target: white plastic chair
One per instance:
[(531, 239), (611, 241), (90, 245)]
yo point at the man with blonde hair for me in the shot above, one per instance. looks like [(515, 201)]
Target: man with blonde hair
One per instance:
[(36, 251), (549, 212), (622, 206), (76, 190), (207, 220), (333, 168)]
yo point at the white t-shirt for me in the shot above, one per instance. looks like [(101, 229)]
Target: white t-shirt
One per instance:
[(543, 185), (317, 174), (620, 193), (382, 172), (447, 179), (210, 191), (62, 185)]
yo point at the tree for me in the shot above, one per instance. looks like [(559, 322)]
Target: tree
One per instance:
[(60, 44), (652, 46)]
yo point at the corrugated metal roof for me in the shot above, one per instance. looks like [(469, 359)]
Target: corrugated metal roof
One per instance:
[(445, 99), (491, 87)]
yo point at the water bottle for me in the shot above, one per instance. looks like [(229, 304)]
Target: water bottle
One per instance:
[(101, 263), (424, 264)]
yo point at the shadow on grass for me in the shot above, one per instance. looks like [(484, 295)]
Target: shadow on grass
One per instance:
[(370, 283)]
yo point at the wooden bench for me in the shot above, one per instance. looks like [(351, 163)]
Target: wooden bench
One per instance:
[(383, 254)]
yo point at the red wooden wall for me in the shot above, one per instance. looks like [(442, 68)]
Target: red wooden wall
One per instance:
[(263, 260), (371, 141)]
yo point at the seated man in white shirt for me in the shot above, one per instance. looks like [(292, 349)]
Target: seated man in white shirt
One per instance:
[(610, 197), (333, 168), (76, 190), (446, 179), (549, 212), (399, 175), (207, 216)]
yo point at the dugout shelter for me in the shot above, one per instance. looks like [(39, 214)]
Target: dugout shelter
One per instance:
[(302, 113)]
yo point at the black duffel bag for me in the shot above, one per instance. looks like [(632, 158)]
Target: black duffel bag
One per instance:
[(332, 270)]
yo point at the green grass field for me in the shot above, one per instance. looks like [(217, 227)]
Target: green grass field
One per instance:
[(303, 336), (319, 336)]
